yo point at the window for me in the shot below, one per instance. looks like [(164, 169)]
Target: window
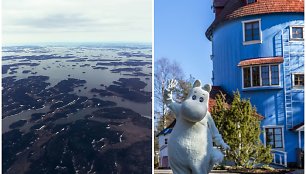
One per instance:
[(166, 141), (255, 76), (250, 1), (251, 31), (274, 137), (296, 33), (265, 75), (298, 80), (274, 75), (260, 75)]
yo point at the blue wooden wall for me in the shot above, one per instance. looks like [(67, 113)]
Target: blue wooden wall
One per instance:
[(228, 51)]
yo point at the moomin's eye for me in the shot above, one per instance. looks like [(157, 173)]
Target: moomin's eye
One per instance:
[(201, 99), (194, 97)]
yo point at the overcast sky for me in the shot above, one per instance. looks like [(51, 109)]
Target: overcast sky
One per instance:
[(34, 21)]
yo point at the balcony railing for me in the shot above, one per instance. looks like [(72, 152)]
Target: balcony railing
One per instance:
[(279, 157)]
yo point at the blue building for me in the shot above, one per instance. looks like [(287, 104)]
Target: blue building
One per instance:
[(258, 49)]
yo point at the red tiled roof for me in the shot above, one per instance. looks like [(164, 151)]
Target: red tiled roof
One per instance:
[(237, 8), (213, 96), (258, 61)]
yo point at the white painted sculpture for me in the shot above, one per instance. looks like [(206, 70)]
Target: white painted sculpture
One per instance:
[(190, 146)]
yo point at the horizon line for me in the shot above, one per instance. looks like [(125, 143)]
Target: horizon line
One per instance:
[(75, 42)]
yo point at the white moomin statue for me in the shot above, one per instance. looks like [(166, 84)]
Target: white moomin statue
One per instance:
[(190, 146)]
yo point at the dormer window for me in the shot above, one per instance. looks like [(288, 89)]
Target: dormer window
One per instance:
[(250, 1), (251, 31), (296, 33)]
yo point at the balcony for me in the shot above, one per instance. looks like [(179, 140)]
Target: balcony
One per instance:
[(279, 157)]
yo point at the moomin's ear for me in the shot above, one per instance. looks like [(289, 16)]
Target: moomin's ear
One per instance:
[(197, 83), (207, 87)]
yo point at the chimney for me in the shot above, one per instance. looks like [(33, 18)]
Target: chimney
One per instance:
[(218, 6)]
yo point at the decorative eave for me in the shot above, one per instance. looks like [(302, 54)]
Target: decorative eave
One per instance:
[(234, 9), (260, 61), (298, 127)]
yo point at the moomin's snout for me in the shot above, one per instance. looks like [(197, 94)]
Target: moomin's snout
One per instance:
[(193, 112)]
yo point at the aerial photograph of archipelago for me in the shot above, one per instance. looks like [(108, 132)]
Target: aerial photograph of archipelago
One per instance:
[(76, 87)]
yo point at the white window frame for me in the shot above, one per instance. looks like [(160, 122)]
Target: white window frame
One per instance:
[(295, 86), (260, 78), (274, 126), (243, 32), (294, 39)]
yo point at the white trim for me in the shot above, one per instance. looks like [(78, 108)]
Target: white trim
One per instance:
[(251, 74), (300, 128), (281, 151), (270, 76), (264, 134), (251, 20), (300, 143), (242, 76), (243, 32), (252, 42), (279, 77), (274, 126), (290, 33)]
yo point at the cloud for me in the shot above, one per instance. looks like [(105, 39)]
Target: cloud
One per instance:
[(56, 21), (117, 20)]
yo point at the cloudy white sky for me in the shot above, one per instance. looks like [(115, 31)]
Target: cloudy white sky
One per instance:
[(34, 21)]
